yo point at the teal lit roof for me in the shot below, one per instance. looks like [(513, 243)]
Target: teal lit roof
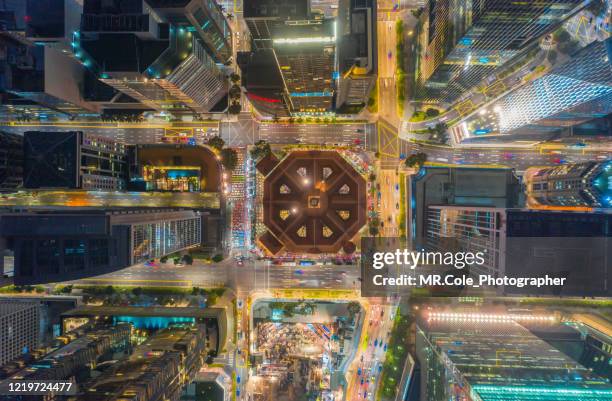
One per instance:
[(508, 393)]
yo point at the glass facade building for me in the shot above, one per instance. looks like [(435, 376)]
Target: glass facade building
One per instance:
[(152, 240), (470, 357), (465, 41), (586, 184), (577, 91), (73, 160), (60, 245), (171, 54), (476, 229), (11, 161)]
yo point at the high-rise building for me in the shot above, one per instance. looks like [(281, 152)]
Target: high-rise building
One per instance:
[(493, 357), (73, 160), (40, 80), (171, 55), (457, 186), (463, 41), (303, 45), (66, 244), (19, 328), (157, 370), (576, 246), (11, 161), (587, 184), (264, 17), (204, 18), (65, 362), (572, 93), (306, 52), (357, 52)]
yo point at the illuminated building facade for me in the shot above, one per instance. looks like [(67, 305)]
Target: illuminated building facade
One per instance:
[(572, 93), (175, 168), (303, 47), (73, 160), (66, 244), (11, 161), (586, 184), (313, 202), (483, 358), (20, 328), (170, 56), (306, 57), (157, 370), (357, 50), (576, 246), (464, 41)]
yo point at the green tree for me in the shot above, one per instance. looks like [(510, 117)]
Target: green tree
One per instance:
[(188, 259), (235, 92), (137, 291), (353, 308), (216, 142), (261, 149), (217, 258), (430, 113), (234, 108), (229, 158), (67, 289), (416, 160), (109, 290)]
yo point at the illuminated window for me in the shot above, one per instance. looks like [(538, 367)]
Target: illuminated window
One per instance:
[(344, 214), (301, 232), (327, 232)]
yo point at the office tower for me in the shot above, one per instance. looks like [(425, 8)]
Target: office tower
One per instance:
[(73, 160), (174, 168), (357, 52), (157, 370), (463, 41), (20, 330), (587, 184), (263, 82), (304, 49), (51, 21), (313, 202), (491, 357), (40, 80), (170, 53), (576, 246), (456, 186), (265, 17), (80, 354), (11, 161), (66, 244), (204, 18), (572, 93)]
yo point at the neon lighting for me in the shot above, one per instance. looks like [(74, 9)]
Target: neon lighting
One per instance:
[(319, 39), (263, 99), (310, 94)]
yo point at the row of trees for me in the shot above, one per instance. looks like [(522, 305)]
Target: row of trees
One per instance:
[(234, 95)]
